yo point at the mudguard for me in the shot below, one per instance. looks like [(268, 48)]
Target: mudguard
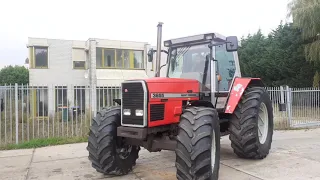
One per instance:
[(238, 87)]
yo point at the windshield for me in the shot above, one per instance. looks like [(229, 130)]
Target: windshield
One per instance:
[(190, 62)]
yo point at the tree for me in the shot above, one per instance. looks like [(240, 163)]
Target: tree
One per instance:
[(277, 58), (14, 74), (250, 54), (316, 80), (305, 15)]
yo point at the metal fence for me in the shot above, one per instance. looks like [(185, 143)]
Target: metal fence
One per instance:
[(32, 112), (302, 106)]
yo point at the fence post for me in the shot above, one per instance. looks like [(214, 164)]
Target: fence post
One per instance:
[(289, 101), (16, 112), (281, 95), (94, 99)]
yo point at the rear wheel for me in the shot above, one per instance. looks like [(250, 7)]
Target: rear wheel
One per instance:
[(251, 126), (107, 152), (198, 144)]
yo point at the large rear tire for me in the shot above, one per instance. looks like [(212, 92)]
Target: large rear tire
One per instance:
[(251, 125), (107, 152), (198, 144)]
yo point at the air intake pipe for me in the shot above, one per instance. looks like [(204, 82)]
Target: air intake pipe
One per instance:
[(158, 58)]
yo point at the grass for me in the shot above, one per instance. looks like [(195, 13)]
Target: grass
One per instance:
[(42, 132), (43, 128), (36, 143)]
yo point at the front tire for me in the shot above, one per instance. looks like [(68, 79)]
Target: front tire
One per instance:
[(198, 144), (107, 152), (251, 125)]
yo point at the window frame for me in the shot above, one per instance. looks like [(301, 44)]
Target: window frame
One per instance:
[(85, 59), (79, 68), (115, 58), (32, 60)]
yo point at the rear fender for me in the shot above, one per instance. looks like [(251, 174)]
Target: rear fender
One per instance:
[(238, 87)]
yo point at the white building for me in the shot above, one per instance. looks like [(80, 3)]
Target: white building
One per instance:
[(69, 70)]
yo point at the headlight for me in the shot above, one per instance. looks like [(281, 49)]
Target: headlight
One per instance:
[(127, 112), (139, 112)]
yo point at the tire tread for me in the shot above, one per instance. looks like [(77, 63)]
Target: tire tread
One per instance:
[(101, 144), (193, 158), (243, 125)]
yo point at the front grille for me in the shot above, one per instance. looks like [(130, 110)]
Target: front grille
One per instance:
[(132, 98), (156, 112)]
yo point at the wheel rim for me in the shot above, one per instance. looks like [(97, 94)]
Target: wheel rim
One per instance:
[(263, 123), (124, 152), (213, 151), (122, 149)]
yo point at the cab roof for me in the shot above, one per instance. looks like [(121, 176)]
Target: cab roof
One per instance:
[(200, 38)]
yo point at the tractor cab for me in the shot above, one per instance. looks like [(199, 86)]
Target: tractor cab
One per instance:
[(210, 58)]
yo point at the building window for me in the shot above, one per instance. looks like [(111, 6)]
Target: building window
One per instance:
[(119, 58), (38, 57), (108, 57), (79, 58), (138, 59), (79, 64)]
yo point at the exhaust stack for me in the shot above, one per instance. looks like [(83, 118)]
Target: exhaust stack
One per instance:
[(158, 58)]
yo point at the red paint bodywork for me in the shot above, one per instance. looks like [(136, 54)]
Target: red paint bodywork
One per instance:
[(173, 106), (238, 87)]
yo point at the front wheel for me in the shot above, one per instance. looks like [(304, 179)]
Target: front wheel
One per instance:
[(108, 153), (251, 125), (198, 144)]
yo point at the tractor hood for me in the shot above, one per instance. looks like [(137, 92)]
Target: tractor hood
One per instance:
[(171, 87), (162, 87), (169, 80)]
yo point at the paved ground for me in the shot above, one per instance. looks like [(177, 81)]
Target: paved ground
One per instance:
[(295, 155)]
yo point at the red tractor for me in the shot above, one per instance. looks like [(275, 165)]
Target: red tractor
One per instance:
[(202, 98)]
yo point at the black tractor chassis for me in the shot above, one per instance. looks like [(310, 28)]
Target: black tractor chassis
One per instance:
[(148, 138), (156, 138)]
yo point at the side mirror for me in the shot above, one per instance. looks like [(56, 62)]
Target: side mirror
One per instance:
[(150, 55), (232, 43)]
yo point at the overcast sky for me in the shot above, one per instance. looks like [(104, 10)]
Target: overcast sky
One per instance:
[(133, 20)]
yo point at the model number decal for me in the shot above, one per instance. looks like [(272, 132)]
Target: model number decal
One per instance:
[(157, 95), (173, 95)]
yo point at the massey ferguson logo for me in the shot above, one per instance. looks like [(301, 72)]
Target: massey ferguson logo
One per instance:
[(125, 90)]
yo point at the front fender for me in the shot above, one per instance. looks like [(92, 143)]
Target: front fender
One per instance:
[(238, 87)]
